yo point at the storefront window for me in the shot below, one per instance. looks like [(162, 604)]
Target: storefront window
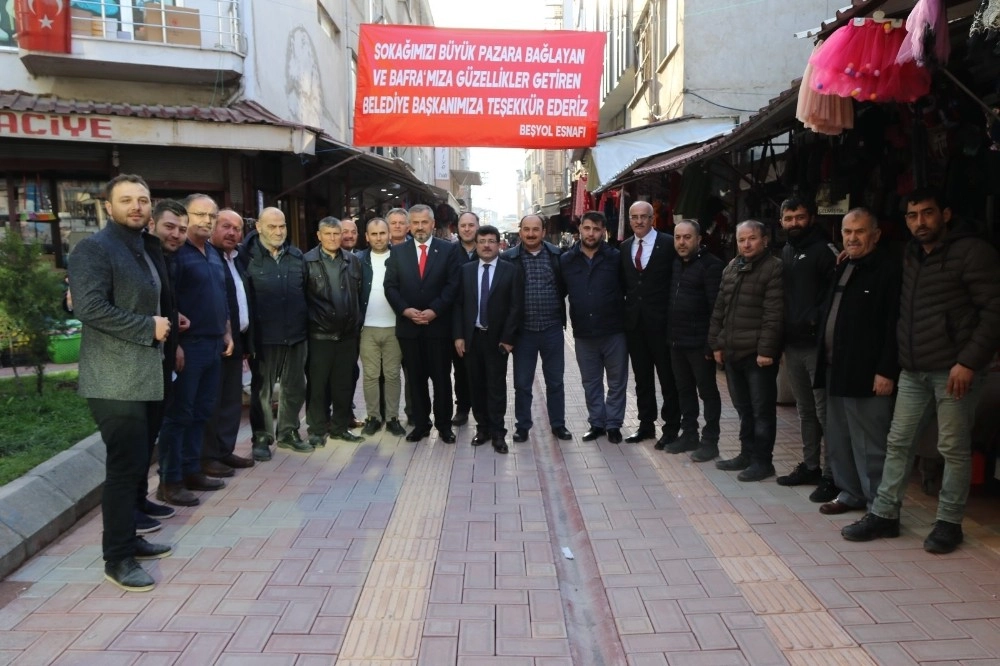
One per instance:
[(81, 212), (34, 211)]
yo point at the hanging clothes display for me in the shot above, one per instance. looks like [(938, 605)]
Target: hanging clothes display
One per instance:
[(926, 39), (859, 61), (985, 31), (823, 114)]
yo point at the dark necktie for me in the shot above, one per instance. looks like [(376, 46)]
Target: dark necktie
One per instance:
[(484, 296), (423, 259), (638, 257)]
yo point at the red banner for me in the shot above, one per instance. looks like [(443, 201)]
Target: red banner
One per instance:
[(421, 86), (43, 25)]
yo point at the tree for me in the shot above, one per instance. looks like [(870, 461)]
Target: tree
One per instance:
[(31, 296)]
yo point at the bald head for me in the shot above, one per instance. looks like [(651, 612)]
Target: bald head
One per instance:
[(228, 230), (271, 228)]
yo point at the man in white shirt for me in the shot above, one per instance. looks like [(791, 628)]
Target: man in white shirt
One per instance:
[(380, 352)]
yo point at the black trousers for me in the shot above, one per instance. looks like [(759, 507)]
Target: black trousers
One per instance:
[(486, 369), (463, 399), (221, 430), (156, 412), (330, 381), (124, 426), (651, 359), (428, 360)]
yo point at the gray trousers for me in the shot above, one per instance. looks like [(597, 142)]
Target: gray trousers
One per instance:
[(856, 431), (800, 364), (278, 363), (597, 356)]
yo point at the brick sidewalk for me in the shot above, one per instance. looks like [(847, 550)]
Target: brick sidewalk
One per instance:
[(390, 553)]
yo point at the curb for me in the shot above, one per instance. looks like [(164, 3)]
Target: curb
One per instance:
[(47, 501)]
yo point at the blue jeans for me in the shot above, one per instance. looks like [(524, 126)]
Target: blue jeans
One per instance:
[(754, 392), (597, 356), (550, 346), (918, 390), (196, 390)]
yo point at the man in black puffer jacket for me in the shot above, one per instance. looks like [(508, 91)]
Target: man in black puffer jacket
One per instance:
[(948, 332), (694, 286)]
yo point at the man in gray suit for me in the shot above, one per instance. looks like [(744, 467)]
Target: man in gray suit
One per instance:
[(119, 284)]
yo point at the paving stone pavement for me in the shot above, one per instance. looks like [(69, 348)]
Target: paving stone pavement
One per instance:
[(560, 553)]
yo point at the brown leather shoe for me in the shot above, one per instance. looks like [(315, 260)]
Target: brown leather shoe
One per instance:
[(202, 482), (176, 494), (215, 468), (355, 424), (237, 462), (836, 507)]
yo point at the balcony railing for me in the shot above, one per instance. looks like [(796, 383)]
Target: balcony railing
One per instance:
[(205, 24)]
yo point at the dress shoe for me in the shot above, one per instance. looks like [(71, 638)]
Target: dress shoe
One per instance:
[(826, 491), (871, 527), (592, 434), (736, 464), (480, 438), (706, 451), (261, 446), (293, 442), (128, 575), (395, 428), (149, 551), (237, 462), (202, 482), (520, 435), (417, 434), (145, 524), (176, 494), (499, 445), (372, 426), (801, 476), (664, 441), (461, 418), (688, 441), (836, 507), (757, 471), (317, 441), (216, 468), (447, 436), (559, 431), (346, 436), (644, 432), (614, 435), (158, 511), (944, 538)]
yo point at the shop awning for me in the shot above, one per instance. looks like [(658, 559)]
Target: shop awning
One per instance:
[(550, 209), (617, 152), (892, 9), (779, 112), (444, 196), (243, 125), (466, 177)]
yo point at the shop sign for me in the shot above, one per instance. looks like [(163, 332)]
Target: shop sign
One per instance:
[(835, 207), (424, 86), (27, 125)]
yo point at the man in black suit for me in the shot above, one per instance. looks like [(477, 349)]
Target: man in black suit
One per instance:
[(485, 321), (647, 261), (468, 225), (421, 281)]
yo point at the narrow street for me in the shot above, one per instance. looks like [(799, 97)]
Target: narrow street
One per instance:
[(559, 553)]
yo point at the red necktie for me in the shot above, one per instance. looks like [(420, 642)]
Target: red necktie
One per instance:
[(638, 257), (423, 259)]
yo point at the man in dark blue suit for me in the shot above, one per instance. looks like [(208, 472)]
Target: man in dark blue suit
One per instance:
[(421, 281), (485, 322)]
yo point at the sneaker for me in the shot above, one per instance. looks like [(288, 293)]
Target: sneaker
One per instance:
[(150, 551), (688, 441), (739, 463), (293, 441), (372, 426), (128, 575), (826, 491), (144, 524), (944, 538), (757, 471), (706, 451), (158, 511), (395, 428), (871, 527), (801, 476)]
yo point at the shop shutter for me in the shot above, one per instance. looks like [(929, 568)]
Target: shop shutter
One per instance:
[(158, 164), (59, 151)]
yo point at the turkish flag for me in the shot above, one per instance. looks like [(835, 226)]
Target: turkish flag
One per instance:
[(43, 25)]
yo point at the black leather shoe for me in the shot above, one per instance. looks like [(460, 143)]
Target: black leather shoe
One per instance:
[(149, 551), (461, 418), (128, 575), (561, 432), (202, 482), (346, 436), (944, 538), (664, 441), (592, 434), (614, 435), (395, 428), (499, 445), (871, 527), (447, 436), (686, 442), (639, 435), (417, 434), (737, 464), (481, 438), (372, 426), (520, 435)]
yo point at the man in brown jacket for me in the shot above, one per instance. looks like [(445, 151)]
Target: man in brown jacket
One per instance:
[(948, 331), (745, 334)]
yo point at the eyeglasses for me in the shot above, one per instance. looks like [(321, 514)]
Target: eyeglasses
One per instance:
[(213, 216)]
